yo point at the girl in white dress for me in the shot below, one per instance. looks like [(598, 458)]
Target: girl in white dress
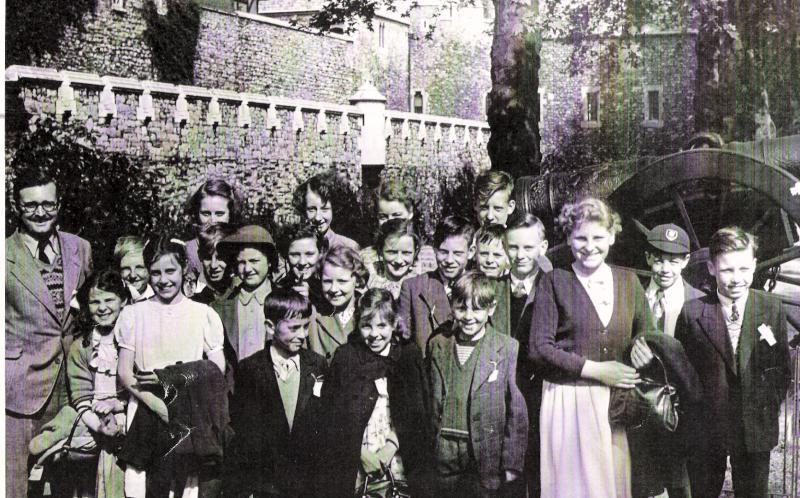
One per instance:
[(583, 319), (162, 331)]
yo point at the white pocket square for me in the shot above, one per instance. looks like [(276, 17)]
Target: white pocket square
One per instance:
[(765, 331), (493, 375)]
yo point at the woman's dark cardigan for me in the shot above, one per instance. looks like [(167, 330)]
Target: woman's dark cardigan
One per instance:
[(349, 395)]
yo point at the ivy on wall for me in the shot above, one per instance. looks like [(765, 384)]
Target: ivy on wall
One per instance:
[(36, 27), (92, 185), (172, 37)]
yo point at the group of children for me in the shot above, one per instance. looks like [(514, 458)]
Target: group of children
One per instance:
[(355, 372)]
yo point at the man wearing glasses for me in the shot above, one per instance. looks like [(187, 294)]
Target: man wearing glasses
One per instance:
[(44, 268)]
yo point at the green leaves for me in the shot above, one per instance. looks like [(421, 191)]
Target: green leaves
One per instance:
[(103, 195), (36, 27), (173, 39)]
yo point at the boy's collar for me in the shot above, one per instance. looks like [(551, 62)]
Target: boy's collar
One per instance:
[(461, 338), (260, 293), (528, 280), (675, 288), (726, 301), (278, 354)]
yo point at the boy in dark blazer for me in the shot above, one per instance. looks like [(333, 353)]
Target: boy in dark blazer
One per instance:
[(479, 413), (526, 245), (274, 406), (667, 255), (424, 299), (736, 340)]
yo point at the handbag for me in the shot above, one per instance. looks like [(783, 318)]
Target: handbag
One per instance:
[(384, 486), (73, 448), (653, 404)]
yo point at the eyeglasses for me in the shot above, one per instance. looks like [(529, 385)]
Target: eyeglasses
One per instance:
[(32, 207)]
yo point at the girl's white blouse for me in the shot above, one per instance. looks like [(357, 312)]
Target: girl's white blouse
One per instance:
[(164, 334)]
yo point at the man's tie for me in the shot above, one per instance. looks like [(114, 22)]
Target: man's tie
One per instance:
[(659, 310), (734, 313), (41, 247)]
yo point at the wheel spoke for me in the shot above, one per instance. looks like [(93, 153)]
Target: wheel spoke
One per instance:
[(785, 256), (678, 200), (761, 221), (723, 203), (788, 227)]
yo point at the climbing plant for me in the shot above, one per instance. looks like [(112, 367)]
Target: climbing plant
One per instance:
[(172, 37), (36, 27), (102, 195)]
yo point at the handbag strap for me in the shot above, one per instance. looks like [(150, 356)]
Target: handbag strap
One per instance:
[(663, 368), (68, 444)]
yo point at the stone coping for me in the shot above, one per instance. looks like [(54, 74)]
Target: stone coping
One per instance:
[(379, 14), (434, 119), (17, 73), (287, 25)]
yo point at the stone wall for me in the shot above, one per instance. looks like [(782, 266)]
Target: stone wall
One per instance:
[(452, 68), (241, 52), (238, 52), (245, 52), (284, 143), (387, 65), (433, 160), (664, 60), (267, 164), (112, 44)]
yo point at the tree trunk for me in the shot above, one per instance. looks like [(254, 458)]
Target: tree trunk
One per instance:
[(513, 112)]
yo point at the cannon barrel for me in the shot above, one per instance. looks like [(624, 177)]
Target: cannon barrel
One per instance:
[(782, 152), (543, 195)]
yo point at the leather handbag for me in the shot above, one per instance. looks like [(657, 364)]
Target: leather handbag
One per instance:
[(384, 486), (652, 404)]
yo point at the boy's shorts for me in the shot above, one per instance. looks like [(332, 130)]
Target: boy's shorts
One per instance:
[(453, 454)]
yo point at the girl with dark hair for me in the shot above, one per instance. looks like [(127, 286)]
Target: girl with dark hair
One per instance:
[(216, 201), (397, 246), (163, 331), (315, 200), (374, 408), (92, 374), (217, 275)]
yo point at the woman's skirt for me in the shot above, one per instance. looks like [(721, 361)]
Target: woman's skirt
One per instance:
[(581, 456)]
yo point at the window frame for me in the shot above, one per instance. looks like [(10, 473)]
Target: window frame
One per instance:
[(585, 122), (424, 95), (542, 91), (647, 122)]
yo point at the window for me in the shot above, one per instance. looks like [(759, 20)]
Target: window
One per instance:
[(418, 102), (591, 107), (487, 101), (382, 34), (262, 6), (542, 95), (653, 106)]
